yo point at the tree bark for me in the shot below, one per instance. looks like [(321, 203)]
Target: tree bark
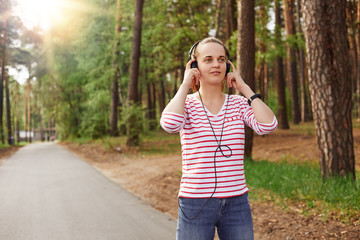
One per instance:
[(330, 84), (218, 18), (358, 61), (291, 61), (3, 63), (305, 110), (135, 56), (132, 131), (246, 55), (16, 109), (279, 72), (230, 19), (114, 131), (151, 98), (161, 98), (8, 110), (28, 96), (263, 71)]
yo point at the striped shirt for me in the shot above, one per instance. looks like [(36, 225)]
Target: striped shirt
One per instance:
[(199, 146)]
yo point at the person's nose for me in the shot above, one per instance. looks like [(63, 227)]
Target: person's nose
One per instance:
[(216, 64)]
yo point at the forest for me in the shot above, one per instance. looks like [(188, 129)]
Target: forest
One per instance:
[(109, 67)]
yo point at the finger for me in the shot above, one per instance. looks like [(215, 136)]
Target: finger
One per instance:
[(229, 79), (197, 76), (232, 66)]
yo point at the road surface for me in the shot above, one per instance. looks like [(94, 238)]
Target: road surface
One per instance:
[(48, 193)]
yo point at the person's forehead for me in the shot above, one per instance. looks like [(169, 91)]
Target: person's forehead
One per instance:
[(211, 49)]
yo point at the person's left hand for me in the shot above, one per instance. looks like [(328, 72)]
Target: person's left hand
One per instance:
[(234, 79)]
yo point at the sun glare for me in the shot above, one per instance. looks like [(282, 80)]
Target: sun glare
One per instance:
[(39, 13)]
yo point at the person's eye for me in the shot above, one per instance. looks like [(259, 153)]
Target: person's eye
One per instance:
[(222, 60), (208, 60)]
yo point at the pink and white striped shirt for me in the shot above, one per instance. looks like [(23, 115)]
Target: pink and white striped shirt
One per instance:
[(199, 145)]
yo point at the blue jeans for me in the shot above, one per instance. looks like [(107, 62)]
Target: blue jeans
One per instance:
[(231, 216)]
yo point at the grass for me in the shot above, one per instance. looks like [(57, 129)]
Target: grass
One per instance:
[(283, 182), (16, 144), (160, 143)]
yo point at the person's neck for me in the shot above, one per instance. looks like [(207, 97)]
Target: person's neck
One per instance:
[(211, 93)]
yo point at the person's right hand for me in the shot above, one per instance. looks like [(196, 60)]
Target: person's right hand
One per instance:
[(191, 75)]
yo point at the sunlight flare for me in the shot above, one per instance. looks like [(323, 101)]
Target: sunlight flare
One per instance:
[(40, 13)]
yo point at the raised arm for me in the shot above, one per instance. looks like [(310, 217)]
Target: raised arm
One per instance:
[(262, 113), (176, 105)]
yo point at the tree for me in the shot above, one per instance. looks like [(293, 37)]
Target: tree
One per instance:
[(330, 84), (8, 110), (230, 20), (305, 110), (133, 132), (3, 72), (246, 54), (262, 44), (279, 71), (291, 60), (115, 81), (358, 60)]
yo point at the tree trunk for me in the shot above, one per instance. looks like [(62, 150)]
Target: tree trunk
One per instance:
[(25, 114), (153, 122), (133, 133), (279, 72), (41, 125), (358, 61), (17, 107), (291, 61), (330, 84), (230, 19), (114, 131), (176, 75), (161, 98), (28, 96), (263, 72), (246, 54), (218, 18), (135, 56), (8, 110), (305, 110), (351, 22), (151, 98), (3, 63), (231, 25)]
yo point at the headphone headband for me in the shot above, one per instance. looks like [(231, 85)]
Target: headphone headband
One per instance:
[(192, 49)]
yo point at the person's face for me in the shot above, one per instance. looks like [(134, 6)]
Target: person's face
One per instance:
[(211, 62)]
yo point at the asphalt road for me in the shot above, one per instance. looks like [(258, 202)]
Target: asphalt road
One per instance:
[(48, 193)]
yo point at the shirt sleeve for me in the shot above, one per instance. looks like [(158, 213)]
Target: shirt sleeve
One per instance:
[(172, 122), (249, 118)]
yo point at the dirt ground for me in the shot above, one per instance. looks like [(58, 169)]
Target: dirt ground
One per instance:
[(156, 179), (7, 152)]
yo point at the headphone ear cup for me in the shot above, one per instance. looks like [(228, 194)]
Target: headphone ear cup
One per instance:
[(194, 64), (228, 66)]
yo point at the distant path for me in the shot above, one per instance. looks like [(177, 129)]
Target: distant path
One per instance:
[(46, 193)]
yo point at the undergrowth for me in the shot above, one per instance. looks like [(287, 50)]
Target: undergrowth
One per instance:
[(303, 183)]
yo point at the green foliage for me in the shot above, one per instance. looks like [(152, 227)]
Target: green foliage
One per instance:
[(272, 101), (133, 118)]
